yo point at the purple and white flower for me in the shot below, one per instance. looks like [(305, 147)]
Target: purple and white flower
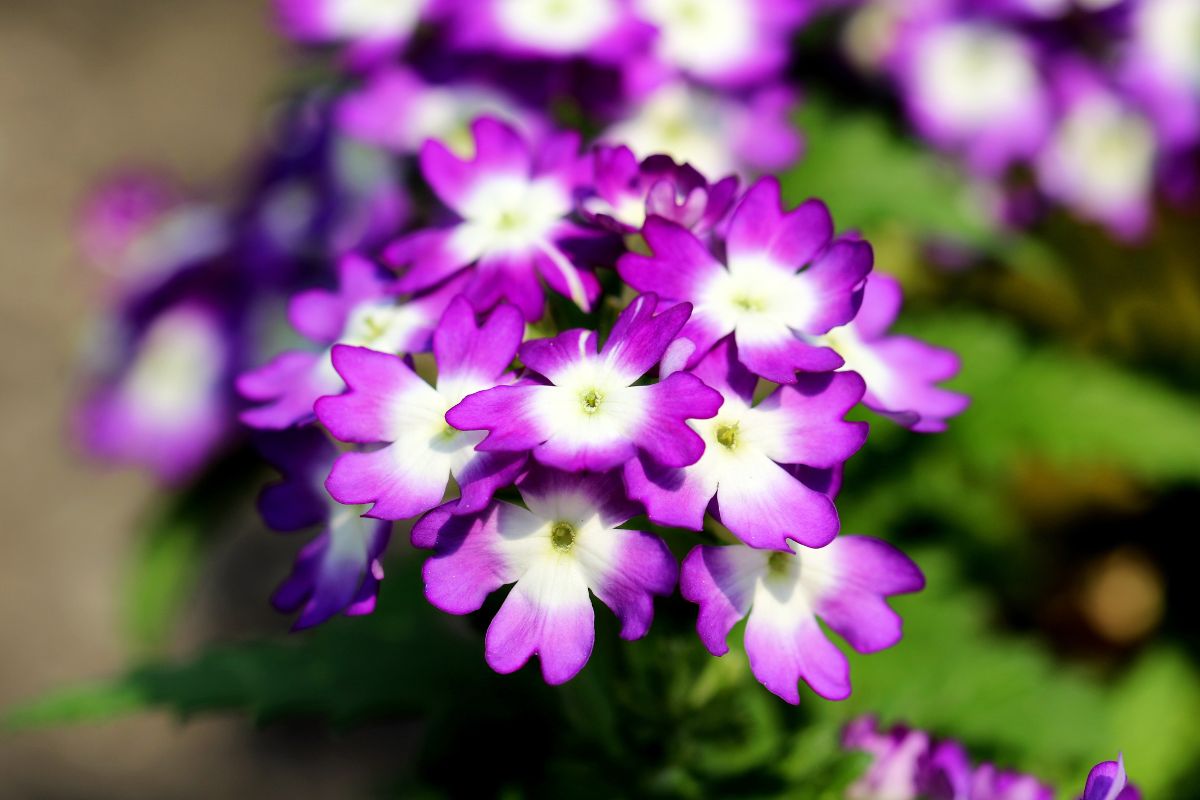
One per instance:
[(388, 403), (563, 544), (897, 769), (1162, 67), (363, 312), (901, 372), (600, 30), (1107, 781), (373, 29), (167, 403), (581, 409), (785, 280), (972, 87), (626, 192), (717, 133), (744, 476), (845, 584), (512, 206), (338, 571), (1101, 158)]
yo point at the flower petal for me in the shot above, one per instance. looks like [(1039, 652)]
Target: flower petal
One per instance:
[(807, 419), (721, 581), (760, 227), (678, 269), (783, 650), (764, 506)]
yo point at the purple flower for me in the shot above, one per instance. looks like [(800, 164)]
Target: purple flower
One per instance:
[(784, 281), (339, 570), (511, 206), (717, 133), (1101, 157), (565, 543), (581, 410), (972, 87), (901, 372), (626, 192), (845, 584), (373, 30), (601, 30), (1162, 67), (989, 783), (1107, 781), (397, 109), (722, 43), (744, 475), (166, 404), (897, 769), (363, 312), (388, 403)]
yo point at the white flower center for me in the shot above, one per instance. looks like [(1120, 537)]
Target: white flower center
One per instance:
[(177, 368), (685, 123), (703, 36), (381, 325), (560, 26), (974, 75), (1108, 151), (374, 18), (1169, 30), (591, 404), (757, 296), (630, 208), (511, 214)]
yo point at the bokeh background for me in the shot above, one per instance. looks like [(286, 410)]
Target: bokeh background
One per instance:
[(1055, 519), (84, 87)]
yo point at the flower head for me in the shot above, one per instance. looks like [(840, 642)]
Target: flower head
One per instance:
[(744, 475), (563, 543), (388, 403), (339, 570), (1107, 781), (363, 312), (845, 584), (581, 409), (511, 228), (784, 280)]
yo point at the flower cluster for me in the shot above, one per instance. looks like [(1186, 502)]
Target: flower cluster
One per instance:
[(907, 764), (1099, 100), (706, 389)]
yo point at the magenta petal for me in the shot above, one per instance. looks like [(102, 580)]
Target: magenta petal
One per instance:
[(881, 302), (836, 278), (290, 384), (811, 412), (376, 383), (766, 506), (759, 226), (510, 277), (425, 258), (673, 497), (462, 347), (399, 486), (1107, 781), (868, 571), (721, 581), (506, 412), (781, 656), (561, 635), (779, 359), (553, 357), (484, 475), (640, 337), (722, 370), (464, 568), (665, 434), (645, 567), (679, 267), (317, 315)]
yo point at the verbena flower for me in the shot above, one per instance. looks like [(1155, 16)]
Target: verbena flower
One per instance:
[(1107, 781), (898, 756), (373, 30), (784, 280), (365, 311), (601, 30), (845, 584), (743, 477), (388, 403), (339, 570), (582, 409), (511, 226), (564, 543), (901, 372)]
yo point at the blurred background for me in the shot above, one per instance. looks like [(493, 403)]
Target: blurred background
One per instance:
[(85, 87), (1053, 520)]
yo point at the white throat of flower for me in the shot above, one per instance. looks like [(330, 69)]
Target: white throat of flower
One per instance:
[(756, 296), (511, 214), (591, 403), (1169, 30), (1108, 152), (564, 26), (702, 35), (373, 18), (177, 368), (973, 75), (685, 123)]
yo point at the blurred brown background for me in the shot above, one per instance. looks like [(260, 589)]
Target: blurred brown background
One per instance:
[(85, 86)]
